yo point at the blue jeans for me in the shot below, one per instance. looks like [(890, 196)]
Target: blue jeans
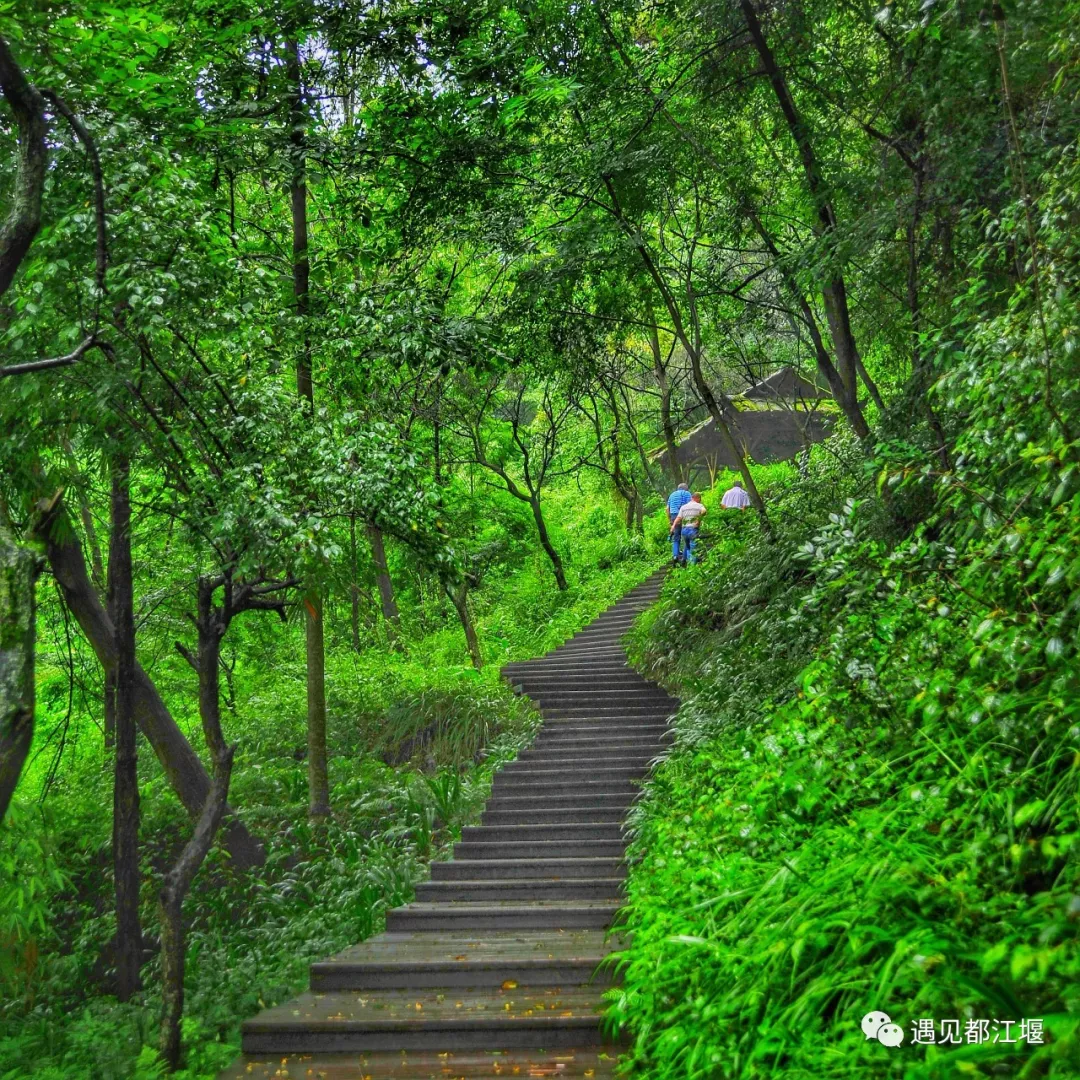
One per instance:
[(689, 535), (676, 538)]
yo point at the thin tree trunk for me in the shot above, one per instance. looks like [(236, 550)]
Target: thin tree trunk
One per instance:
[(728, 440), (97, 565), (849, 403), (354, 586), (382, 578), (920, 376), (301, 265), (109, 681), (318, 779), (834, 292), (212, 623), (18, 572), (126, 785), (547, 545), (692, 350), (183, 769), (459, 597), (664, 384), (318, 776), (171, 910)]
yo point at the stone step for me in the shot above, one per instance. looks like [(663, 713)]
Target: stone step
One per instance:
[(539, 849), (442, 892), (536, 686), (610, 719), (396, 1020), (501, 869), (617, 743), (515, 787), (507, 915), (579, 830), (645, 730), (572, 1063), (531, 771), (610, 699), (540, 816), (462, 958), (533, 801), (641, 750), (591, 638), (624, 755), (538, 772), (515, 678), (577, 650), (583, 651), (576, 673)]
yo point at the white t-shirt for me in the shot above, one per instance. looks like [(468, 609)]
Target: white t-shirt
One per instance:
[(735, 499), (690, 515)]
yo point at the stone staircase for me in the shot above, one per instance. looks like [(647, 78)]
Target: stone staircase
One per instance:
[(495, 969)]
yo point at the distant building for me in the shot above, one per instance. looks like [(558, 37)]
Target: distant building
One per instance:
[(786, 386), (775, 419)]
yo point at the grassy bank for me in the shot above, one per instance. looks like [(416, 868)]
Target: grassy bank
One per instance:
[(874, 799)]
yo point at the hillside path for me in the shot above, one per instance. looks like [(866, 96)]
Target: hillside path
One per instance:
[(493, 970)]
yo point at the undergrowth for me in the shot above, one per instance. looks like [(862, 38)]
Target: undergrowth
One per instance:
[(415, 738)]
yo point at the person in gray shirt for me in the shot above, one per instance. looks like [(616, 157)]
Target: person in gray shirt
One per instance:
[(688, 520)]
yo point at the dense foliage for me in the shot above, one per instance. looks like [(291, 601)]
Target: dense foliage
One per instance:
[(875, 800)]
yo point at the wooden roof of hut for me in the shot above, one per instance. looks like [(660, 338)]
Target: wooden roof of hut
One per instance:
[(766, 435), (778, 417), (785, 385)]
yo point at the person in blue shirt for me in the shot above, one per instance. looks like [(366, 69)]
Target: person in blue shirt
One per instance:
[(675, 502)]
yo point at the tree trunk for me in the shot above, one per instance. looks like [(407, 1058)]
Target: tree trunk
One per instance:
[(920, 375), (183, 769), (318, 779), (728, 440), (109, 681), (318, 776), (24, 218), (126, 785), (547, 545), (849, 403), (834, 292), (386, 586), (664, 384), (212, 623), (459, 597), (18, 572), (693, 350), (354, 586), (171, 911)]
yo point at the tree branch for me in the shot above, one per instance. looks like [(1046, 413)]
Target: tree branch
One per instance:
[(73, 357)]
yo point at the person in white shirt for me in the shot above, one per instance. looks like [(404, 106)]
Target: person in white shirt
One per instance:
[(689, 521), (735, 498)]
